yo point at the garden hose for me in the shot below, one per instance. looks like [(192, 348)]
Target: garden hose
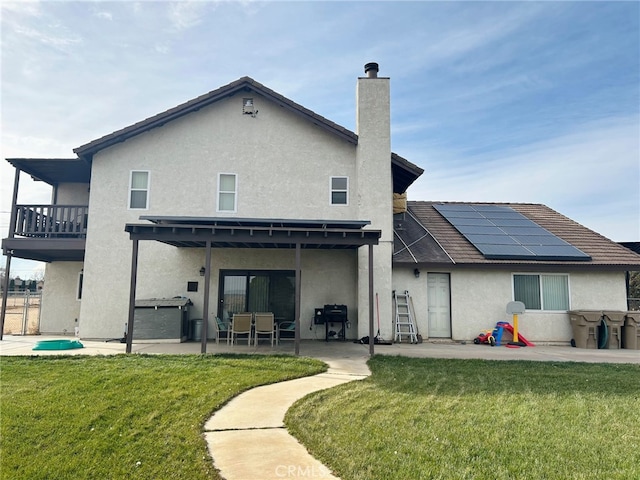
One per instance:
[(604, 335)]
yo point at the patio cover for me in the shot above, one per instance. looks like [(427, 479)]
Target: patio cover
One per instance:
[(213, 232)]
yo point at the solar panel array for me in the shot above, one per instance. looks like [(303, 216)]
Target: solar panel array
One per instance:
[(501, 233)]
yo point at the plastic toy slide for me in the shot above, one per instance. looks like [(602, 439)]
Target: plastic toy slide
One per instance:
[(509, 328)]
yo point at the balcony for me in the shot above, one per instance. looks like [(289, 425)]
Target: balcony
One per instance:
[(47, 232)]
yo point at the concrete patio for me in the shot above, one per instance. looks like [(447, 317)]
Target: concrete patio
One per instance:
[(333, 350)]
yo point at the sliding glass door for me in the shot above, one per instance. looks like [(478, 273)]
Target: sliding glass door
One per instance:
[(257, 291)]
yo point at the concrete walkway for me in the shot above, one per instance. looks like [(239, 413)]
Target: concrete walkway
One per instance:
[(251, 426)]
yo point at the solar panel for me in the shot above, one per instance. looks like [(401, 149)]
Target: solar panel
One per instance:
[(501, 233)]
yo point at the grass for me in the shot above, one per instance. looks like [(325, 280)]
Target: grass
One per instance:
[(475, 419), (134, 416)]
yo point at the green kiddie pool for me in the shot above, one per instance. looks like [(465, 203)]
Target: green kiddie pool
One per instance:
[(57, 345)]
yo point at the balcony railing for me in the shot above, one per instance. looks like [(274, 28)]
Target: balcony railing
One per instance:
[(51, 221)]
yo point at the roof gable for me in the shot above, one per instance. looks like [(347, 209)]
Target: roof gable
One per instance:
[(244, 84), (404, 172)]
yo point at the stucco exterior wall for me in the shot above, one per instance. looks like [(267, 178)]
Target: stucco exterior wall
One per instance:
[(479, 299), (284, 166), (73, 194), (60, 306)]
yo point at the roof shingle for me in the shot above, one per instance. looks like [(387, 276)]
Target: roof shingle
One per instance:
[(605, 254)]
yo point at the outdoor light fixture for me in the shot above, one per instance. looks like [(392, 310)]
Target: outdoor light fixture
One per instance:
[(248, 107), (416, 272), (202, 270)]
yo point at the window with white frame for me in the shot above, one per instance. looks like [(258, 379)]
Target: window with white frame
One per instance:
[(139, 190), (227, 192), (339, 190), (542, 292)]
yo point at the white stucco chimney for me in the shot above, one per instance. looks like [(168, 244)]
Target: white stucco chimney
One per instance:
[(373, 156), (375, 191)]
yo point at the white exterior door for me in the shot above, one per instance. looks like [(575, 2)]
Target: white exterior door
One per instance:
[(439, 305)]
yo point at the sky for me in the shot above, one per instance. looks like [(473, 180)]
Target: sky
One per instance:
[(505, 101)]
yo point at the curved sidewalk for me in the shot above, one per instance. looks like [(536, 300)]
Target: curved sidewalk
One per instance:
[(247, 438)]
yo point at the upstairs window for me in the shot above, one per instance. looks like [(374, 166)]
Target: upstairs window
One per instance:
[(339, 190), (227, 192), (542, 292), (139, 190)]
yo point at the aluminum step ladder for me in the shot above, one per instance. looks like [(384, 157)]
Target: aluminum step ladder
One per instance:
[(404, 323)]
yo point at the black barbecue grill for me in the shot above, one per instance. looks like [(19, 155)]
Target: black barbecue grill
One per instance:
[(333, 313)]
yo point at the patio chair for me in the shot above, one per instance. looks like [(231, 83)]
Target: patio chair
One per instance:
[(264, 325), (241, 325), (221, 327), (288, 328)]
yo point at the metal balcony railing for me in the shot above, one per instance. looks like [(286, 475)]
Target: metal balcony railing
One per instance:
[(51, 221)]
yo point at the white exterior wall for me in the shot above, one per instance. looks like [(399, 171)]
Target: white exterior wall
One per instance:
[(73, 194), (283, 163), (327, 277), (479, 299), (60, 306)]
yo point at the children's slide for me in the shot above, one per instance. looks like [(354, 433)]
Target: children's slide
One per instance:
[(509, 328)]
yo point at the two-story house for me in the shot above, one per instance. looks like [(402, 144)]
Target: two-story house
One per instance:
[(252, 186), (243, 200)]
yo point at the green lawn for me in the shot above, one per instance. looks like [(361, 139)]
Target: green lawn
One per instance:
[(135, 416), (475, 419)]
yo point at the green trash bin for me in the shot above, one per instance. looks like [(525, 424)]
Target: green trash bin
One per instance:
[(584, 324), (631, 331), (614, 321)]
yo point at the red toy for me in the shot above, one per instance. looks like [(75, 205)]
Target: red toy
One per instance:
[(486, 337)]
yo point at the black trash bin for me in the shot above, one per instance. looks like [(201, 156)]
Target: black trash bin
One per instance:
[(631, 331), (584, 324)]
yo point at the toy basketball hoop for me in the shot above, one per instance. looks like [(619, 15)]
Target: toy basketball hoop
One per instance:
[(516, 308)]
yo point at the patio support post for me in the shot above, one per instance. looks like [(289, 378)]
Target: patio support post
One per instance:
[(298, 290), (5, 292), (207, 285), (132, 293), (371, 338), (7, 270)]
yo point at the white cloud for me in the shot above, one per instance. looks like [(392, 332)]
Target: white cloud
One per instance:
[(28, 8), (186, 14), (104, 15), (57, 41)]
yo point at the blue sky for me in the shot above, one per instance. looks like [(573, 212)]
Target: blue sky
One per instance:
[(498, 101)]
